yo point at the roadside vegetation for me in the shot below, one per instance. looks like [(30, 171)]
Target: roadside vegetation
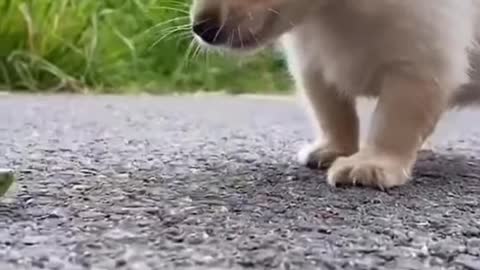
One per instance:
[(119, 46)]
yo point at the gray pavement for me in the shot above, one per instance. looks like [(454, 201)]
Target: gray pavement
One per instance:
[(212, 183)]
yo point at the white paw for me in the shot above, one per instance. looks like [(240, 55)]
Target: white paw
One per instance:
[(370, 170)]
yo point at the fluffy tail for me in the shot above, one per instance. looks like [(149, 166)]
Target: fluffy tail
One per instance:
[(468, 95)]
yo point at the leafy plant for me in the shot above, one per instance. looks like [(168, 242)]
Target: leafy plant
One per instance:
[(118, 46)]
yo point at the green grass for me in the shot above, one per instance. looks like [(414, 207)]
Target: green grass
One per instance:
[(119, 46)]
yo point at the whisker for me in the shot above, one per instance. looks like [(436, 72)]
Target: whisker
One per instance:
[(206, 30), (207, 58), (185, 33), (173, 28), (158, 25), (188, 53), (167, 35), (281, 16), (182, 37), (186, 56), (179, 10), (230, 39), (179, 3), (196, 52), (219, 31), (253, 36), (240, 37)]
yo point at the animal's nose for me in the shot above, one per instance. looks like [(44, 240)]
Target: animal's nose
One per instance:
[(208, 28)]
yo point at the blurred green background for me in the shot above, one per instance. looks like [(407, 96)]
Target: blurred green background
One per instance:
[(119, 46)]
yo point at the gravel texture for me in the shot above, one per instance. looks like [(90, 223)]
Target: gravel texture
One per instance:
[(212, 183)]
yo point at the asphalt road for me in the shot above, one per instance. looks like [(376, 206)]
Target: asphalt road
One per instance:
[(212, 183)]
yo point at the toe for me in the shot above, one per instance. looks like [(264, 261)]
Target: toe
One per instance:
[(371, 172), (339, 172), (368, 175)]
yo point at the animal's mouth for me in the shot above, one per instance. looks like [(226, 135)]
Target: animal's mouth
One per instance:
[(241, 31), (250, 40), (244, 43)]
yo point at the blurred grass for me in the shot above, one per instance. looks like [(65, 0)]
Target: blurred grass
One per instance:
[(119, 46)]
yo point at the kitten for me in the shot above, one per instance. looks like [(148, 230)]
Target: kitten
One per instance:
[(414, 56)]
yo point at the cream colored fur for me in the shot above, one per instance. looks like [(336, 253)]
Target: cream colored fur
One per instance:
[(415, 56)]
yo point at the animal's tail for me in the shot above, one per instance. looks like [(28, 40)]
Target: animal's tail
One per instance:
[(468, 95)]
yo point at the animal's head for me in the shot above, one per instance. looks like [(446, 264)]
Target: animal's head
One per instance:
[(245, 25)]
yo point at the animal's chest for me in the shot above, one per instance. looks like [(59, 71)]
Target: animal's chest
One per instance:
[(347, 66), (352, 48), (343, 59)]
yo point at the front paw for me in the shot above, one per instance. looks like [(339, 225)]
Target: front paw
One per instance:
[(369, 169), (321, 156)]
